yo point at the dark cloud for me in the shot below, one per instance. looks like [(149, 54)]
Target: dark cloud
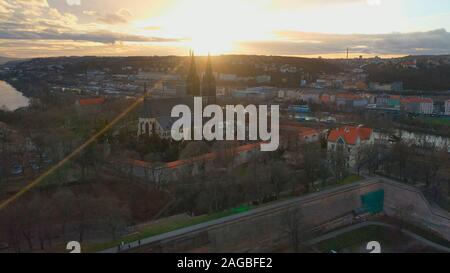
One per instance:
[(304, 43), (97, 36), (35, 20)]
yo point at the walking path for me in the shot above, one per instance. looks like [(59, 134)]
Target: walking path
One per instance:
[(283, 205), (252, 213)]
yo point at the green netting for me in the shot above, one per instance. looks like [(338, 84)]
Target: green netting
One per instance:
[(241, 209), (373, 202)]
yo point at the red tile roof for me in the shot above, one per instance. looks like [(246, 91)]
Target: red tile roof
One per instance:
[(325, 98), (350, 134), (137, 163), (92, 101), (416, 100), (205, 157), (210, 156), (178, 163), (302, 131), (348, 96)]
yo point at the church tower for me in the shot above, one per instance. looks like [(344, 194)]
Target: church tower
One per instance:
[(193, 80), (209, 83)]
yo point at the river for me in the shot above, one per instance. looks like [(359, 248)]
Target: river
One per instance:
[(10, 98), (439, 142)]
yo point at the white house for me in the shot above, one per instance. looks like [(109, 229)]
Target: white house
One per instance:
[(447, 108), (350, 140)]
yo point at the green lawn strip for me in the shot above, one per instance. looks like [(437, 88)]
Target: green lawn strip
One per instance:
[(437, 121), (427, 234), (383, 234), (419, 230), (349, 179), (350, 238), (167, 226)]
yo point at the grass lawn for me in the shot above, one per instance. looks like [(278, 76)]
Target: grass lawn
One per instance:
[(349, 180), (175, 224), (391, 240), (352, 239), (437, 121), (168, 225), (427, 235)]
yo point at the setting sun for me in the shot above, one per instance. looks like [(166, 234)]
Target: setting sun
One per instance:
[(212, 26)]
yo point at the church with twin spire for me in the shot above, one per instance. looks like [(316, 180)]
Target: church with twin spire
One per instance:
[(205, 88), (155, 117)]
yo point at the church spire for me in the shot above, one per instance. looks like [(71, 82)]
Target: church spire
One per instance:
[(209, 82), (193, 80)]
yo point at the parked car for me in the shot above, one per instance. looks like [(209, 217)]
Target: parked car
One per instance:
[(35, 166), (17, 169)]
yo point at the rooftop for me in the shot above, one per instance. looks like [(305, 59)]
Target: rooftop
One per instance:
[(179, 163), (350, 134), (91, 101), (416, 100)]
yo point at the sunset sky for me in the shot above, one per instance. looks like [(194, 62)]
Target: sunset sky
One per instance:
[(32, 28)]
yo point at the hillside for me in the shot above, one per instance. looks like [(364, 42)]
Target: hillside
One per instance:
[(4, 60), (436, 78)]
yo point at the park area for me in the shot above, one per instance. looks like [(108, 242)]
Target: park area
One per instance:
[(391, 239), (90, 212)]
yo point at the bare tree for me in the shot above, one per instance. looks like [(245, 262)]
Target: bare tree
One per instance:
[(194, 149), (112, 216), (226, 153), (11, 228), (84, 215), (64, 202), (296, 230), (338, 164), (280, 176)]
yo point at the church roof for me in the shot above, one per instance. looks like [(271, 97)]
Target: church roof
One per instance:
[(166, 122), (91, 101), (154, 108)]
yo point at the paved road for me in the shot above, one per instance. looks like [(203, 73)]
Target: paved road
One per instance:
[(267, 209), (221, 221)]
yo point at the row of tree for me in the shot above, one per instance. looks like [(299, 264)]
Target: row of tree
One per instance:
[(44, 222)]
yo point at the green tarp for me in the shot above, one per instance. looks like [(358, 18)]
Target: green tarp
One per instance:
[(373, 202)]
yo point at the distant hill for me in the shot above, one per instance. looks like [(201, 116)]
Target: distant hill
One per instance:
[(243, 65), (239, 65), (427, 78), (4, 60)]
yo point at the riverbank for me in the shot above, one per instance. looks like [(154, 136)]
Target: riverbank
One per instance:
[(10, 98)]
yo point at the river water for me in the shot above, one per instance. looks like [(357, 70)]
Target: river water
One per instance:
[(439, 142), (10, 98)]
